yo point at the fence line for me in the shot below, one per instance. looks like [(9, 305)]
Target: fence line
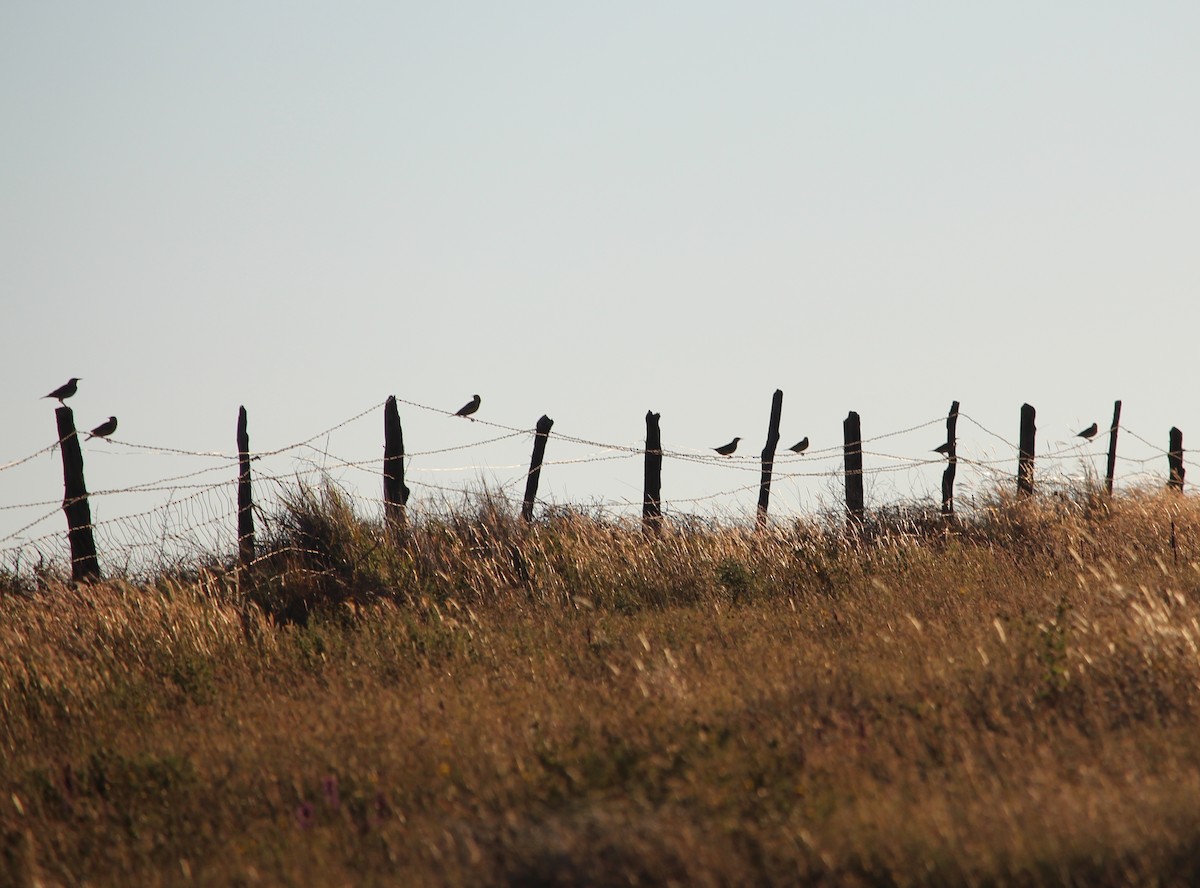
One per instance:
[(169, 482), (172, 526)]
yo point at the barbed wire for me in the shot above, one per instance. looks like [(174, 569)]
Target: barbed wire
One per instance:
[(986, 430), (750, 464), (917, 427), (204, 515), (17, 462), (30, 525), (1158, 450), (254, 454), (441, 450), (452, 413), (43, 503), (666, 501)]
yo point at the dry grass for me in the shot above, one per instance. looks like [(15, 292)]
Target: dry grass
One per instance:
[(1015, 702)]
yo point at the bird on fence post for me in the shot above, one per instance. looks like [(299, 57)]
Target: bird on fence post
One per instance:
[(727, 449), (470, 407), (943, 449), (1089, 432), (103, 430), (64, 391), (800, 446)]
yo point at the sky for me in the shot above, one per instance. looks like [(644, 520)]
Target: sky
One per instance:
[(589, 211)]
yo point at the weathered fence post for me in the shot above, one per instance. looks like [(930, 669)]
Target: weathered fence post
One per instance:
[(245, 501), (535, 466), (1111, 468), (855, 508), (1025, 459), (395, 493), (652, 497), (84, 564), (1175, 459), (768, 456), (951, 460)]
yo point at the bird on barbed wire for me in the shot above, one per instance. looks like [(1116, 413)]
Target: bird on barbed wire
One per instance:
[(800, 446), (64, 391), (103, 430), (944, 449), (727, 449), (470, 407), (1089, 432)]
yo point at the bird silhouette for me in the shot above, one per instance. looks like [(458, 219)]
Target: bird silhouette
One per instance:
[(470, 407), (727, 449), (943, 449), (800, 446), (103, 430), (1089, 432), (64, 391)]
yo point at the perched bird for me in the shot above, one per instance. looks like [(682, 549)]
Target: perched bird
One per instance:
[(727, 449), (1089, 432), (103, 430), (470, 407), (800, 446), (63, 392), (943, 450)]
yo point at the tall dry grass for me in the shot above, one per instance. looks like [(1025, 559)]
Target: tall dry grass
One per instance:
[(1013, 700)]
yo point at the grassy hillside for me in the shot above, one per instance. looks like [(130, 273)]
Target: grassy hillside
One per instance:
[(1015, 700)]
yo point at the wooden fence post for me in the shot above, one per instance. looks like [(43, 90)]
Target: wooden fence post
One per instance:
[(84, 564), (1175, 459), (535, 466), (768, 456), (395, 492), (1025, 459), (245, 501), (652, 497), (1111, 469), (855, 508), (951, 461)]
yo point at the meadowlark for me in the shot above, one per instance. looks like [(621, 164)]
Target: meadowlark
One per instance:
[(727, 449), (65, 391), (470, 407), (103, 430)]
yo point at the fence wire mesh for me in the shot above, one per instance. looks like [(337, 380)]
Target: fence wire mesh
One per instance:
[(188, 518)]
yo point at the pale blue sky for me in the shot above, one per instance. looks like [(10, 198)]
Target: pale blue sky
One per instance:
[(588, 212)]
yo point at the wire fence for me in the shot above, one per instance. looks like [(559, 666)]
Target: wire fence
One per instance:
[(188, 518)]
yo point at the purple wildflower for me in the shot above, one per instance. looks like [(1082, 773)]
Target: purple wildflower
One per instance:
[(306, 816)]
